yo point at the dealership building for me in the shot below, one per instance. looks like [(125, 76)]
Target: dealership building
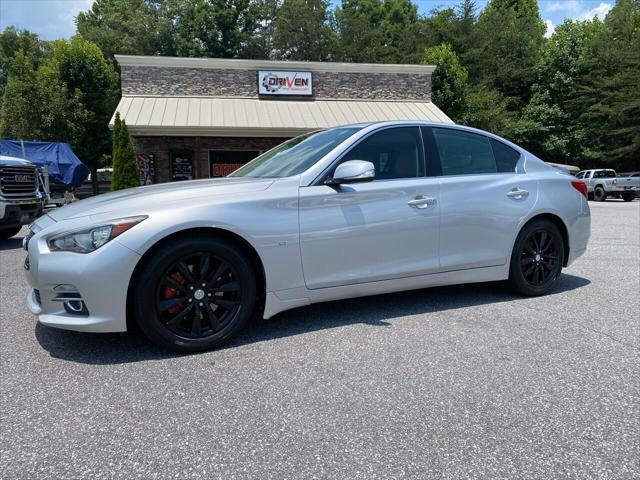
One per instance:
[(200, 118)]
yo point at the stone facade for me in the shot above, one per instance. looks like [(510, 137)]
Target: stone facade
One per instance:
[(147, 80), (162, 147)]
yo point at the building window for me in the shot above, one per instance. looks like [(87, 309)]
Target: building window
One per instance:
[(223, 162)]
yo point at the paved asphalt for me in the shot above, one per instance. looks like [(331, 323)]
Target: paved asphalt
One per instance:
[(456, 382)]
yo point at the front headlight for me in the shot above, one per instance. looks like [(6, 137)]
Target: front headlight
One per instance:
[(85, 241)]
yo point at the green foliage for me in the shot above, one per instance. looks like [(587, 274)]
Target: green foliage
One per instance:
[(487, 110), (449, 81), (208, 28), (125, 173), (13, 41), (121, 26), (507, 43), (378, 31), (607, 102), (303, 31), (69, 98)]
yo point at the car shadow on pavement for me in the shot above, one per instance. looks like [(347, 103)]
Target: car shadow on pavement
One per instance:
[(11, 244), (380, 310)]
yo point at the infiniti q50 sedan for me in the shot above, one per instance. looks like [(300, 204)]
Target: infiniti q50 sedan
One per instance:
[(350, 211)]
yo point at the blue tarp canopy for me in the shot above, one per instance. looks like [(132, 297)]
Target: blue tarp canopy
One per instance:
[(64, 166)]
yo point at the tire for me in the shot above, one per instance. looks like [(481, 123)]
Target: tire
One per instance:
[(6, 233), (599, 195), (628, 197), (539, 246), (188, 310)]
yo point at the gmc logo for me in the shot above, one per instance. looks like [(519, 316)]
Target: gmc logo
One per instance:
[(21, 178)]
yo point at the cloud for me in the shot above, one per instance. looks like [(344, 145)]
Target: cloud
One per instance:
[(550, 28), (577, 9), (600, 11), (50, 19)]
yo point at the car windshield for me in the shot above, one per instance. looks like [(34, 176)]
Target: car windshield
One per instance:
[(296, 155)]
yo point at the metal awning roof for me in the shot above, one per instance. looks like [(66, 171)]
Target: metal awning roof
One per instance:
[(235, 116)]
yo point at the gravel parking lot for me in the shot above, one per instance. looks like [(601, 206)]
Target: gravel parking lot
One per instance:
[(456, 382)]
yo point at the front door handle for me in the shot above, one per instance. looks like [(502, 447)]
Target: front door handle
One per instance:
[(422, 201), (517, 194)]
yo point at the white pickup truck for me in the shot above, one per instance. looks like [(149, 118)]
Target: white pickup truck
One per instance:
[(604, 182)]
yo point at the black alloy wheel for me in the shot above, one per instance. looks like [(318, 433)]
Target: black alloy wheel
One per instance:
[(194, 293), (537, 258), (198, 295)]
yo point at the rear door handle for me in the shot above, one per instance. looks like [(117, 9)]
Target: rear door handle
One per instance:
[(422, 201), (517, 194)]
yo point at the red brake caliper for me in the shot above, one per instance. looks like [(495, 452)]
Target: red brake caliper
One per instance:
[(172, 293)]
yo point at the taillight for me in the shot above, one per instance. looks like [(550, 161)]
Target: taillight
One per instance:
[(581, 187)]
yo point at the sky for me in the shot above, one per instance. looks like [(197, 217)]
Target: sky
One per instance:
[(52, 19)]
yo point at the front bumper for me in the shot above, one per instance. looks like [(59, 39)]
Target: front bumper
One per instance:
[(101, 279), (14, 213)]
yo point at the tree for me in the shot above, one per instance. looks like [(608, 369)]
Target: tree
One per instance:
[(303, 31), (11, 42), (449, 81), (487, 110), (509, 37), (20, 113), (376, 31), (607, 104), (125, 173), (208, 28), (90, 84), (121, 26), (546, 126)]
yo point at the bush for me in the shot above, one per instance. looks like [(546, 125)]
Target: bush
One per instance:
[(125, 172)]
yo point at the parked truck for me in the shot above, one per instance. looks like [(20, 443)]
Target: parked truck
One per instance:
[(630, 182), (20, 198), (603, 183)]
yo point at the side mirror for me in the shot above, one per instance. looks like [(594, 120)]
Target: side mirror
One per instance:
[(353, 171)]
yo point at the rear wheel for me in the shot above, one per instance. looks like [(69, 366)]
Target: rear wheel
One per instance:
[(195, 294), (9, 232), (599, 195), (628, 196), (536, 261)]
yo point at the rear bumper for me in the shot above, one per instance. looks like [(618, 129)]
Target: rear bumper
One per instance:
[(579, 234)]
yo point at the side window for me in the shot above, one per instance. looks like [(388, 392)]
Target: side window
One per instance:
[(506, 157), (464, 153), (395, 152), (587, 175), (580, 175)]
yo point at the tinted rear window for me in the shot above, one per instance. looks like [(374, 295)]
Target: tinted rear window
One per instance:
[(506, 157), (463, 153)]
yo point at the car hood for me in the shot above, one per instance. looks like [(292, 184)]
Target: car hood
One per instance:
[(134, 201)]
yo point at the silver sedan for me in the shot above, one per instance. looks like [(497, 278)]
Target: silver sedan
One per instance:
[(345, 212)]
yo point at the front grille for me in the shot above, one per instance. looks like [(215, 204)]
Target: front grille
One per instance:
[(17, 182)]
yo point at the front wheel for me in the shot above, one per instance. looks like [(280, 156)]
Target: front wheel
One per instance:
[(194, 293), (536, 260)]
